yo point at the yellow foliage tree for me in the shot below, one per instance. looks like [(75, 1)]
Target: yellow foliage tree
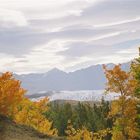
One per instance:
[(31, 114), (135, 69), (11, 93), (84, 134), (13, 103), (123, 109), (80, 134)]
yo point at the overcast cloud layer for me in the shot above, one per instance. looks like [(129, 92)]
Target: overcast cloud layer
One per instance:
[(37, 35)]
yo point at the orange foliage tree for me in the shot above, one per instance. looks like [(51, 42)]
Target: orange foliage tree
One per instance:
[(123, 109), (11, 93), (14, 104)]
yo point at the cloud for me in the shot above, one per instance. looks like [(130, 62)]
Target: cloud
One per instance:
[(80, 49), (19, 41), (48, 9), (109, 11), (89, 53), (118, 23), (12, 18), (36, 36)]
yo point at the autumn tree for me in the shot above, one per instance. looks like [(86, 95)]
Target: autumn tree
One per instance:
[(123, 109), (11, 93), (31, 114), (135, 69), (85, 134), (79, 134), (22, 110)]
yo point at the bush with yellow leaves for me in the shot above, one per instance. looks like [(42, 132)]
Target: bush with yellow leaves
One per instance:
[(84, 134)]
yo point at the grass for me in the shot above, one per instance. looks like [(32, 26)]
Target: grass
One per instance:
[(12, 131)]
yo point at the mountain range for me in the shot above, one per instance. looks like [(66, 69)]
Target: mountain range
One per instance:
[(90, 78)]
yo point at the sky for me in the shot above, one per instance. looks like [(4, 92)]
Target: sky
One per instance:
[(38, 35)]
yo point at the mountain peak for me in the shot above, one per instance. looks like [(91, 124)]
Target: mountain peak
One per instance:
[(55, 71), (90, 78)]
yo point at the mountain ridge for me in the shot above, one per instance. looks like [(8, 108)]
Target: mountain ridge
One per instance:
[(90, 78)]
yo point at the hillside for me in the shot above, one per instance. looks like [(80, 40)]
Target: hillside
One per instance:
[(11, 131)]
